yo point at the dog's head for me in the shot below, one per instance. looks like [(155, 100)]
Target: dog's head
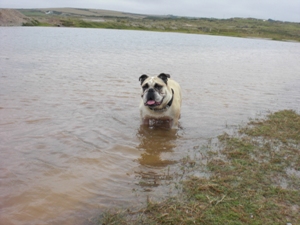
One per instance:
[(155, 91)]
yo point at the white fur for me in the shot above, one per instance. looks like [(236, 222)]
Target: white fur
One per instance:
[(162, 112)]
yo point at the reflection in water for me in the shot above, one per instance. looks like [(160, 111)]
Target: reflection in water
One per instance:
[(155, 140)]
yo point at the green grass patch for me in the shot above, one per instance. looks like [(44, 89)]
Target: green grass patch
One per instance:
[(33, 22), (250, 181), (283, 126)]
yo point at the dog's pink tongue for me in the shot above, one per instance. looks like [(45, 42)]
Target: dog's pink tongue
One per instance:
[(151, 102)]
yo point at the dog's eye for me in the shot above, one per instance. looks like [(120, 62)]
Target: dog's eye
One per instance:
[(157, 86), (145, 86)]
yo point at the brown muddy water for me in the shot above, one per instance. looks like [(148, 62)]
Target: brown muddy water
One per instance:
[(71, 144)]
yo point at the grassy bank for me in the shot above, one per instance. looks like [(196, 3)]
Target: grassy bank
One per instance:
[(237, 27), (254, 179)]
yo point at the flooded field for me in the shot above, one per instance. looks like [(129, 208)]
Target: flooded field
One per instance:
[(71, 144)]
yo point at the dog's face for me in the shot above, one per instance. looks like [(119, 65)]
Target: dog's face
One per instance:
[(155, 91)]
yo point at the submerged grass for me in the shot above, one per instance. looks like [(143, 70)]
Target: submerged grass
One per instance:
[(254, 180)]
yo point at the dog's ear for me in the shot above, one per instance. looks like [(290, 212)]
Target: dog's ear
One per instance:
[(164, 77), (143, 78)]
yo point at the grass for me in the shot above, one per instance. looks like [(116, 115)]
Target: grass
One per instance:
[(237, 27), (283, 126), (254, 180)]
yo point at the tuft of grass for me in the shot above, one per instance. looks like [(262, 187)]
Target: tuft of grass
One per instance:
[(251, 180), (111, 218), (283, 125)]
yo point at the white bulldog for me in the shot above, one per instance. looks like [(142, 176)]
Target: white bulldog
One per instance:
[(161, 99)]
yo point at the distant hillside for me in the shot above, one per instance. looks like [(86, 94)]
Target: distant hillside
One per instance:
[(12, 17), (79, 13), (98, 18)]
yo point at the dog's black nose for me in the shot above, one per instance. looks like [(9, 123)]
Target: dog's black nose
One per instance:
[(151, 94)]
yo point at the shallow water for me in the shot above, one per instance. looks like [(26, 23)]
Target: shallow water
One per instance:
[(71, 144)]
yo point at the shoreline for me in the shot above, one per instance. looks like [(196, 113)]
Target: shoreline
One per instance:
[(247, 37), (254, 179)]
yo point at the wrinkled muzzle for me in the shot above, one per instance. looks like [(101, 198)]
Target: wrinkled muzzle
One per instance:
[(151, 98)]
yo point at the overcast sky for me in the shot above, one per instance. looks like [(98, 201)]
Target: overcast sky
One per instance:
[(286, 10)]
